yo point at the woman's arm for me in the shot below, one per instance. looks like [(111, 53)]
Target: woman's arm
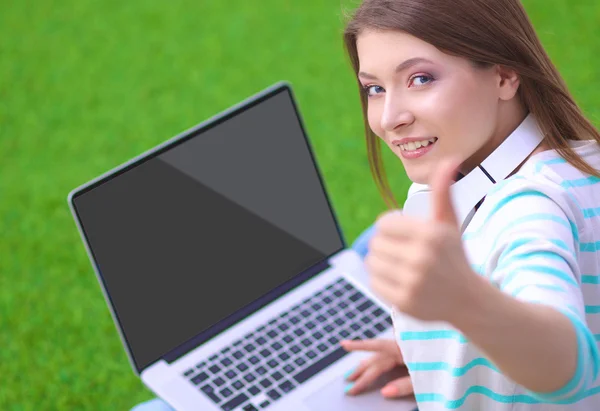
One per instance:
[(534, 345)]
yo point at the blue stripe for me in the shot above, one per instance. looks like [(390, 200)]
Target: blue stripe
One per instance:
[(591, 212), (589, 345), (540, 164), (597, 337), (510, 198), (554, 272), (454, 371), (592, 309), (507, 399), (432, 335), (590, 279), (528, 218), (590, 247), (580, 182), (550, 287)]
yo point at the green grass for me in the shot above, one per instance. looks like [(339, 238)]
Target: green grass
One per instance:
[(85, 85)]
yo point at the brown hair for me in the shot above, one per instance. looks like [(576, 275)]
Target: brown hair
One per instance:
[(486, 32)]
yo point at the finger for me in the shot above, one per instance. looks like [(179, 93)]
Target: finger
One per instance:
[(376, 345), (387, 247), (400, 387), (389, 291), (356, 372), (395, 224), (365, 380), (442, 205), (379, 267)]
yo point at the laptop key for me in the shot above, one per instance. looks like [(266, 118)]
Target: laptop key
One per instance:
[(310, 325), (226, 362), (283, 327), (380, 327), (289, 369), (265, 353), (369, 334), (378, 312), (356, 296), (230, 374), (200, 365), (249, 348), (311, 354), (364, 306), (344, 334), (188, 372), (321, 318), (343, 305), (213, 357), (242, 366), (327, 300), (261, 370), (294, 320), (249, 377), (272, 334), (300, 361), (225, 392), (272, 363), (200, 378), (254, 390), (215, 369), (319, 365), (273, 394), (295, 349), (306, 342), (250, 407), (328, 328), (288, 339), (317, 335), (238, 385), (266, 383), (238, 355), (276, 346), (277, 376), (284, 356), (299, 332), (210, 393), (232, 404), (264, 404), (286, 386), (331, 311), (322, 347), (261, 340), (333, 340), (254, 360), (219, 381)]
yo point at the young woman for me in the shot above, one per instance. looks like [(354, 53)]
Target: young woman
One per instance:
[(504, 315)]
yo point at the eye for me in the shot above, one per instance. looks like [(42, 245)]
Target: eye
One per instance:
[(421, 80), (372, 90)]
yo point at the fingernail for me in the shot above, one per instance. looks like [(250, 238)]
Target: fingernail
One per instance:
[(389, 390), (348, 387), (349, 373)]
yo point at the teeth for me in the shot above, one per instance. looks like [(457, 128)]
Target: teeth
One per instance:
[(413, 145)]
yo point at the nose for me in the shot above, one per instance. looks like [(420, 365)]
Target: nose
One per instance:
[(395, 114)]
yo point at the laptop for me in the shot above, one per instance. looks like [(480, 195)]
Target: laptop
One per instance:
[(225, 269)]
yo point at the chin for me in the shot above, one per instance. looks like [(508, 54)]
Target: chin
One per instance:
[(418, 177)]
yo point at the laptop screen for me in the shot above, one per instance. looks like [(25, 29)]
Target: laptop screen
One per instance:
[(203, 227)]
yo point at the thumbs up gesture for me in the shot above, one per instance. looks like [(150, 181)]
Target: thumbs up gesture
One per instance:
[(419, 265)]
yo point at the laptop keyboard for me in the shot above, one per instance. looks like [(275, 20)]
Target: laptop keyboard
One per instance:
[(289, 349)]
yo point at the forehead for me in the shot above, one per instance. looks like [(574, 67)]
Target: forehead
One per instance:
[(377, 49)]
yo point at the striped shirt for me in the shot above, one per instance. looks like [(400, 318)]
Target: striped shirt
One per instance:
[(536, 237)]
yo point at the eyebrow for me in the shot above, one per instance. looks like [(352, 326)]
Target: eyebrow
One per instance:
[(401, 67)]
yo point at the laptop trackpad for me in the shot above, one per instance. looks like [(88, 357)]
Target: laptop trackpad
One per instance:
[(332, 397)]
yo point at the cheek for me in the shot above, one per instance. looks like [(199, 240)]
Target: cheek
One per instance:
[(466, 115), (374, 117)]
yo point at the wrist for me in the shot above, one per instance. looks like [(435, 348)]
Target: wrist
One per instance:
[(475, 306)]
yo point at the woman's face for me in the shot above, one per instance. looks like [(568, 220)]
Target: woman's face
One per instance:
[(427, 105)]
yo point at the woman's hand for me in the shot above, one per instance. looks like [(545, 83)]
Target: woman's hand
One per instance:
[(419, 265), (386, 356)]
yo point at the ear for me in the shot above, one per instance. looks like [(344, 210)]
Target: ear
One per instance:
[(508, 82)]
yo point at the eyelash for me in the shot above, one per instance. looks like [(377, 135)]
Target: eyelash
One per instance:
[(368, 86)]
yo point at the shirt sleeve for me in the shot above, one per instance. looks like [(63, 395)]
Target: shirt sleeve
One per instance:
[(536, 251)]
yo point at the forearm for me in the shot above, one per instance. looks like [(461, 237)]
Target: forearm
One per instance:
[(534, 345)]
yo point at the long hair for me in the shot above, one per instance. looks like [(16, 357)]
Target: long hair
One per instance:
[(486, 32)]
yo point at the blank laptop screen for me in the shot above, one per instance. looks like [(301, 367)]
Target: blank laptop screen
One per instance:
[(200, 230)]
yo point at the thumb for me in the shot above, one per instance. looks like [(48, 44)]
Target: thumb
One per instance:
[(443, 178), (400, 387)]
